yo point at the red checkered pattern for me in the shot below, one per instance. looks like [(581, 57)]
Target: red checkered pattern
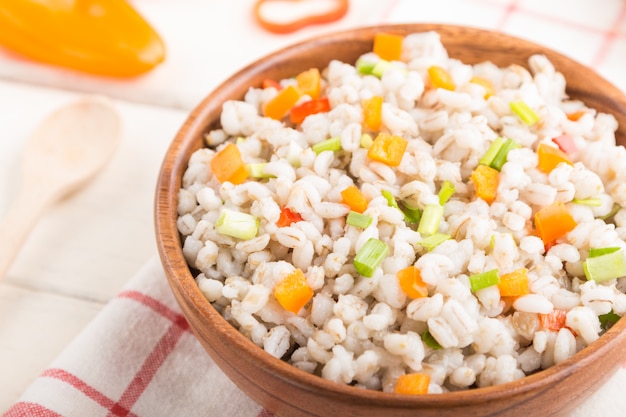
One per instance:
[(138, 357)]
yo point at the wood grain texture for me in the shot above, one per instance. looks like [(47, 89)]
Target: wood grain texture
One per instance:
[(287, 391)]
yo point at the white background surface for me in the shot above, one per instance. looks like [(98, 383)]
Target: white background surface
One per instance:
[(88, 246)]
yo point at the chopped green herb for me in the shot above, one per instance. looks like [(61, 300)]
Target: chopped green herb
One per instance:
[(370, 256), (484, 280), (432, 241), (431, 217), (524, 112), (608, 320), (237, 224), (332, 144), (605, 267), (357, 219), (446, 191)]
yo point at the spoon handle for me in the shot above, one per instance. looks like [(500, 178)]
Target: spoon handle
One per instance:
[(19, 221)]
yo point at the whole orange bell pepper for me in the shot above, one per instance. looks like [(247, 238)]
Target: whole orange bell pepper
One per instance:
[(102, 37)]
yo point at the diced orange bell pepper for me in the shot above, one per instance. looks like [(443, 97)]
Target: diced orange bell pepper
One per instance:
[(486, 181), (353, 198), (414, 383), (549, 157), (554, 221), (514, 284), (486, 84), (388, 46), (576, 115), (293, 292), (440, 78), (388, 149), (410, 280), (309, 82), (280, 105), (373, 112), (227, 165), (102, 37)]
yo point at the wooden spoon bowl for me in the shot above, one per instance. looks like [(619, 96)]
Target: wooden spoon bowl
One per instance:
[(287, 391)]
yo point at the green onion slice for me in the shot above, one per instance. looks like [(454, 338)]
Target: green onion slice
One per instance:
[(357, 219), (366, 141), (446, 191), (503, 153), (593, 252), (391, 200), (430, 341), (595, 202), (411, 215), (484, 280), (380, 68), (256, 170), (432, 241), (365, 66), (524, 112), (237, 224), (605, 267), (431, 217), (492, 151), (613, 212), (370, 256), (332, 144)]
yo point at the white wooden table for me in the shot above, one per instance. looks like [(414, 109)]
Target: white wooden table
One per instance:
[(88, 246)]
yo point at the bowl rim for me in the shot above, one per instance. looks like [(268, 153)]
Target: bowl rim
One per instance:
[(184, 285)]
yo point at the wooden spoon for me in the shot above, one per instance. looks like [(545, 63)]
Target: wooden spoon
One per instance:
[(63, 154)]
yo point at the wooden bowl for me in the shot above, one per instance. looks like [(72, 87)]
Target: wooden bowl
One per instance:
[(287, 391)]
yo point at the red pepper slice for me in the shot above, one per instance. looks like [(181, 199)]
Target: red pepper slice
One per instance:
[(566, 144), (301, 111), (277, 25), (287, 217)]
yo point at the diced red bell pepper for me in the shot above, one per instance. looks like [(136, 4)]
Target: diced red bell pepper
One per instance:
[(301, 111)]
